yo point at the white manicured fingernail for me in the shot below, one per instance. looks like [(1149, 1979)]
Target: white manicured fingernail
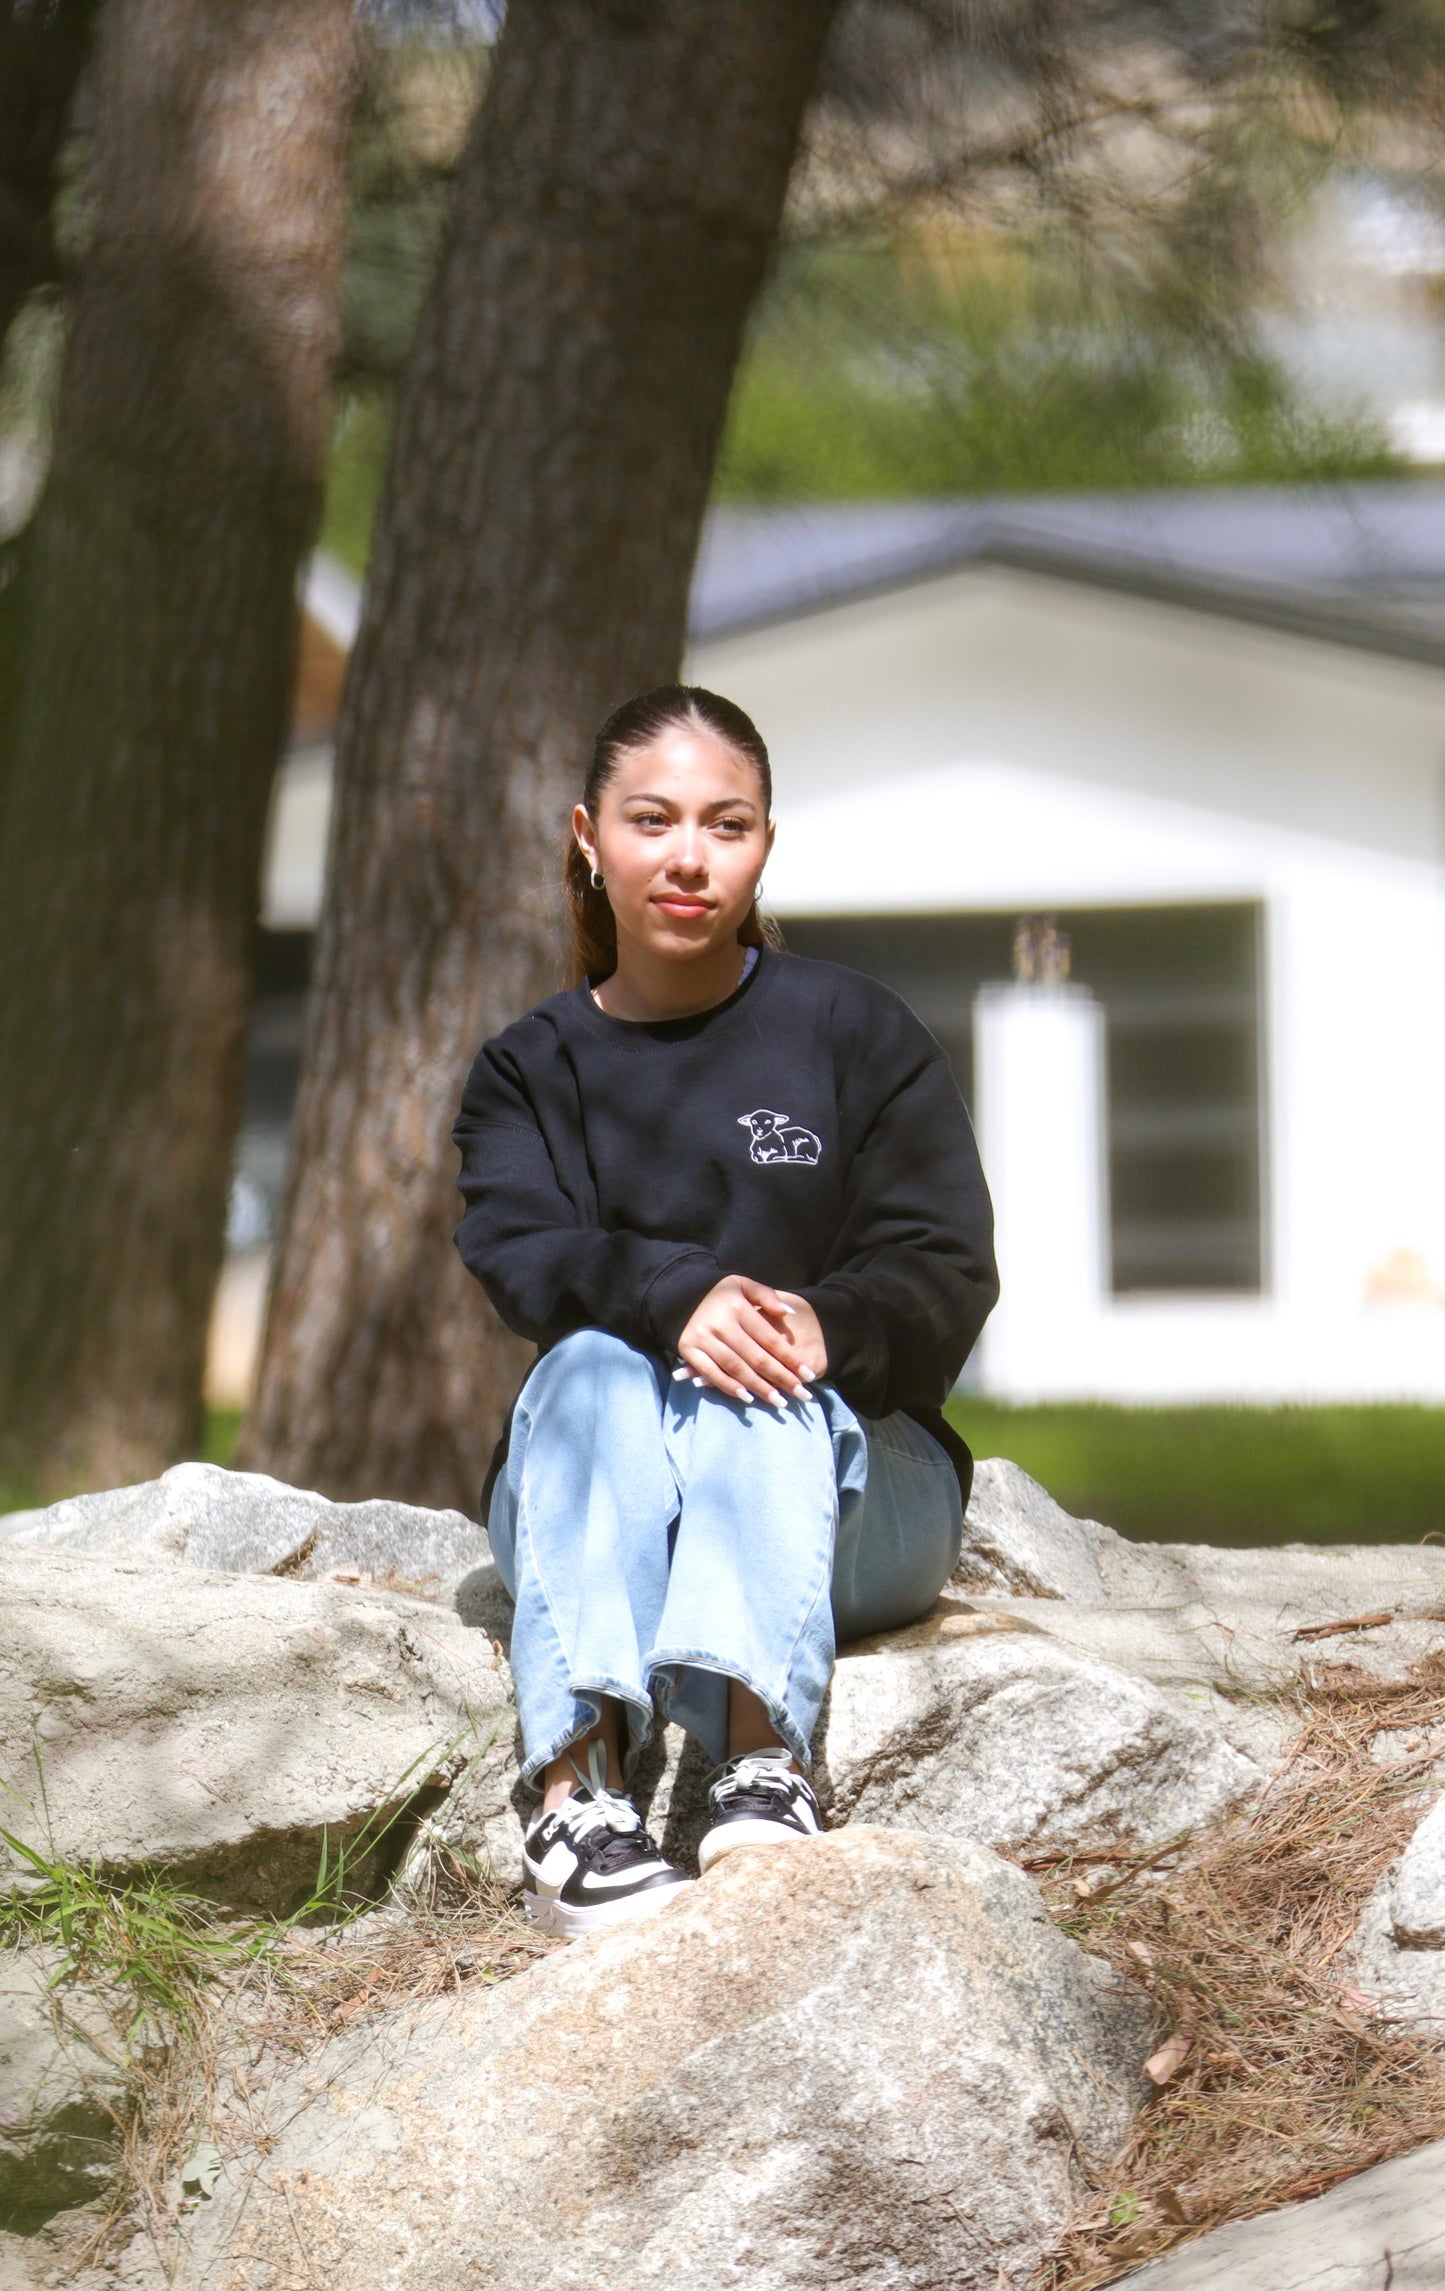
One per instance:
[(788, 1309), (806, 1374), (679, 1373), (700, 1382)]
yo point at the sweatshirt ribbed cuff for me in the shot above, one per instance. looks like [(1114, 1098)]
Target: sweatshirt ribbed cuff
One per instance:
[(673, 1295), (857, 1351)]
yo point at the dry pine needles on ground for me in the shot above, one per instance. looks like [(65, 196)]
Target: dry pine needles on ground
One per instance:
[(1279, 2079)]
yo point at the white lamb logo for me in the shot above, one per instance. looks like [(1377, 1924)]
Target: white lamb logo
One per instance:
[(773, 1142)]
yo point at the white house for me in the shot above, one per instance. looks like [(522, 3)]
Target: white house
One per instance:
[(1206, 734)]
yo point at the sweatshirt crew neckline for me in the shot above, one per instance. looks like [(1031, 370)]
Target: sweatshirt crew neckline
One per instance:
[(639, 1033)]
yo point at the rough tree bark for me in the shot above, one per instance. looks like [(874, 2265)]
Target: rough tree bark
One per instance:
[(183, 491), (614, 213)]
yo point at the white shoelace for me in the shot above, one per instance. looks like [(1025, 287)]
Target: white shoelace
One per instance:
[(604, 1809), (758, 1772)]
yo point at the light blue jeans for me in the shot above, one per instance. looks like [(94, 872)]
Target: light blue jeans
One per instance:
[(660, 1540)]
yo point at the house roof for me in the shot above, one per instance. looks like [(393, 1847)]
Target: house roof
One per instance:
[(1359, 564), (1362, 565)]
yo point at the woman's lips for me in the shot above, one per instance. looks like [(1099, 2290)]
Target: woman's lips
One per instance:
[(679, 904)]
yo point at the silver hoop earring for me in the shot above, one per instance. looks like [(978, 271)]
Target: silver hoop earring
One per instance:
[(596, 880), (758, 892)]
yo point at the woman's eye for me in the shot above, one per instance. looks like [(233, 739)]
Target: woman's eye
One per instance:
[(734, 826), (649, 819)]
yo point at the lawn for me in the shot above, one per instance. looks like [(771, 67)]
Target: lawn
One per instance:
[(1201, 1475), (1230, 1475)]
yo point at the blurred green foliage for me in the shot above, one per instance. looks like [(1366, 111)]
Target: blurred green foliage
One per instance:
[(978, 365), (222, 1425), (1230, 1475), (353, 483), (880, 369), (416, 99)]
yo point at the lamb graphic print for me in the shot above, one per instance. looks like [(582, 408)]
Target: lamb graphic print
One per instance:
[(775, 1138)]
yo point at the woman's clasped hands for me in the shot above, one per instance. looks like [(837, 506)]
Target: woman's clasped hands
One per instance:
[(753, 1342)]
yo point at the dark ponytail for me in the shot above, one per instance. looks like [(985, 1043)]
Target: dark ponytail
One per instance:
[(591, 931)]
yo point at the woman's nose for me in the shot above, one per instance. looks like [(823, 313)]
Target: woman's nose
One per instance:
[(687, 853)]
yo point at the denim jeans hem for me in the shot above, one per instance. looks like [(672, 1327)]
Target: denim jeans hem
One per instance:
[(590, 1692), (777, 1711)]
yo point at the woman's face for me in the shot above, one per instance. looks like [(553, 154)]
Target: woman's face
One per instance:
[(681, 839)]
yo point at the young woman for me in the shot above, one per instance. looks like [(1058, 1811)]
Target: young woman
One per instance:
[(733, 1197)]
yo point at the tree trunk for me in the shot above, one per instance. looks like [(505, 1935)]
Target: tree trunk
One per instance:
[(614, 213), (183, 491)]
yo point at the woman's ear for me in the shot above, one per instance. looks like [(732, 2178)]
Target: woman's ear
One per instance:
[(585, 833)]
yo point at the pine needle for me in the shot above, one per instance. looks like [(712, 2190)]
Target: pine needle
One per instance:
[(1291, 2082)]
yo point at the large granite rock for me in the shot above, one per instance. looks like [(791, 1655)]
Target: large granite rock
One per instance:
[(871, 2060), (1016, 1538), (1021, 1546), (244, 1523), (1219, 1628), (221, 1725), (1220, 1632), (1214, 1630), (1007, 1738), (63, 2086), (1400, 1945), (1418, 1906), (1384, 2230), (484, 1602)]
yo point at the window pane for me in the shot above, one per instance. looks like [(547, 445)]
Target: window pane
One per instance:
[(1180, 991)]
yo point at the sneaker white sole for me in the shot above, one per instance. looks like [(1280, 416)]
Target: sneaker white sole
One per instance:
[(759, 1833), (574, 1924)]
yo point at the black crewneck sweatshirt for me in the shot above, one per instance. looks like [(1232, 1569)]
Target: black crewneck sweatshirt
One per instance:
[(807, 1132)]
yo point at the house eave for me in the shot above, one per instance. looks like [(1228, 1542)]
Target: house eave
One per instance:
[(1322, 621)]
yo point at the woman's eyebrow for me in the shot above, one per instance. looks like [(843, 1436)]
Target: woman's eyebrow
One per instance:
[(668, 803)]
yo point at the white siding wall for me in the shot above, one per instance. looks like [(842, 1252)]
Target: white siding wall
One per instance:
[(1001, 740)]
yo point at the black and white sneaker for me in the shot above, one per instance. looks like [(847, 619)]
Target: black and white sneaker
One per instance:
[(757, 1800), (591, 1865)]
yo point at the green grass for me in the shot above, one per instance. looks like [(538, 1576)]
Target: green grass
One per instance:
[(144, 1939), (148, 1939), (1200, 1475), (1230, 1475), (1208, 1475), (160, 1960)]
